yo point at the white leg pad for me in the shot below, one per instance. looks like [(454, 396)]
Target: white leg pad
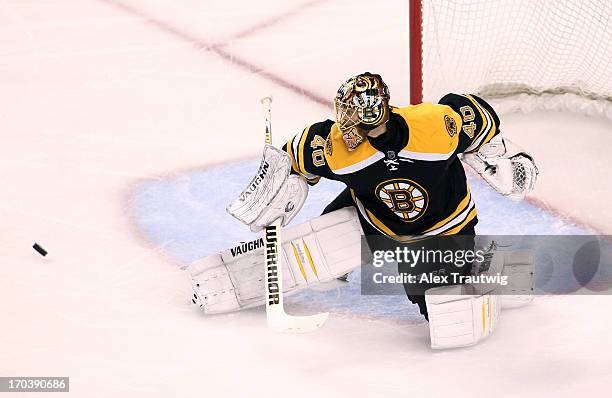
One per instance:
[(463, 315), (314, 252), (518, 266), (459, 318)]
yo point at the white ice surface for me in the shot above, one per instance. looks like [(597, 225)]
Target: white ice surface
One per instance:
[(99, 99)]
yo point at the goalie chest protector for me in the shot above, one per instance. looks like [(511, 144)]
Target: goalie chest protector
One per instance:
[(410, 180)]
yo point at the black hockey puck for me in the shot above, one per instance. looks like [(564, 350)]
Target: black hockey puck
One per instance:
[(39, 249)]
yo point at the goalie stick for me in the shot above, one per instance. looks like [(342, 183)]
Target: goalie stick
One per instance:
[(276, 316)]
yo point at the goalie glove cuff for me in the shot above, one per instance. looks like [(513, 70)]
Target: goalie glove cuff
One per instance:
[(505, 166)]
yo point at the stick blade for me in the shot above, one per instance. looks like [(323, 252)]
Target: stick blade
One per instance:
[(282, 322)]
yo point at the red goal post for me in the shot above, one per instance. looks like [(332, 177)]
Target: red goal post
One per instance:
[(521, 55)]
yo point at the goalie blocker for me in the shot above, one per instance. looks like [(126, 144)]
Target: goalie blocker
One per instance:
[(313, 253)]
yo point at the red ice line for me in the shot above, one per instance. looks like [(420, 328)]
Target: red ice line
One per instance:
[(276, 19), (217, 49)]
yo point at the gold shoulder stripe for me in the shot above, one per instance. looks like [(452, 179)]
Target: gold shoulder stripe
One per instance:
[(482, 116), (488, 126), (488, 123), (302, 167), (491, 133)]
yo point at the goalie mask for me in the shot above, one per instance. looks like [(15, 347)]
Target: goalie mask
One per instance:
[(361, 105)]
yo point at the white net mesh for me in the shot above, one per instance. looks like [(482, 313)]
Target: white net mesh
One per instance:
[(555, 54)]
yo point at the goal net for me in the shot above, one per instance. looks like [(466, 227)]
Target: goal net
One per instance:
[(519, 54)]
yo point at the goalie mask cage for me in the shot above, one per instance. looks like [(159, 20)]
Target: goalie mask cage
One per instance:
[(520, 55)]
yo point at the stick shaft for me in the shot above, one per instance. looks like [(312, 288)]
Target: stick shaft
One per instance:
[(276, 316), (267, 103), (274, 276)]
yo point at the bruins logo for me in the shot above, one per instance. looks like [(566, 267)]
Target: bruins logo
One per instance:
[(407, 199), (451, 125)]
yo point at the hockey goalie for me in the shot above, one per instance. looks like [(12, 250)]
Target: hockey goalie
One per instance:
[(405, 183)]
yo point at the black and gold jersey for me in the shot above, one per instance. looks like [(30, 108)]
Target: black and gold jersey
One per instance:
[(408, 181)]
